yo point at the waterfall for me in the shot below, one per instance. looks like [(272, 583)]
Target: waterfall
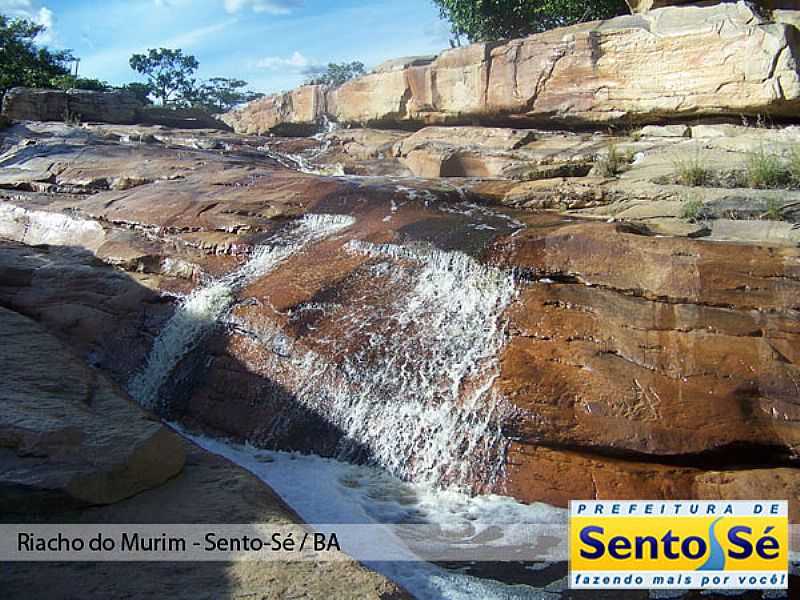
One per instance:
[(417, 393), (304, 162), (201, 310)]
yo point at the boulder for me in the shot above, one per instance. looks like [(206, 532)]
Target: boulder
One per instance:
[(68, 436), (210, 489), (496, 152), (27, 104), (298, 112), (641, 6), (741, 63), (116, 107), (462, 151)]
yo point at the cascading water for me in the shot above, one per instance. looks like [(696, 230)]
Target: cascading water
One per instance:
[(417, 394), (197, 314), (305, 162)]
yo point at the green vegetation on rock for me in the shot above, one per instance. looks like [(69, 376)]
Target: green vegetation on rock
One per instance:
[(221, 94), (70, 82), (767, 170), (692, 171), (335, 74)]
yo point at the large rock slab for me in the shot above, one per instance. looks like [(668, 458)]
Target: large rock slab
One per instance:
[(738, 61), (650, 337), (26, 104), (116, 107), (496, 152), (209, 490), (297, 112), (68, 436), (640, 6)]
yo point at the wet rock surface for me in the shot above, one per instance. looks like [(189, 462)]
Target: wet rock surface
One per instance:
[(629, 363)]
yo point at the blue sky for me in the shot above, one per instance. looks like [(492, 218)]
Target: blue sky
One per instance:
[(268, 43)]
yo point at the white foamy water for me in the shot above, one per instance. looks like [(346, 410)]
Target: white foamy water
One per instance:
[(305, 162), (201, 310), (34, 227), (328, 491), (411, 386)]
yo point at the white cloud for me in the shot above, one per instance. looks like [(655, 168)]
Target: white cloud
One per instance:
[(195, 36), (296, 62), (272, 7), (25, 9)]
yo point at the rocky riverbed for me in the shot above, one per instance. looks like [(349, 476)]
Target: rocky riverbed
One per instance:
[(643, 364), (546, 293)]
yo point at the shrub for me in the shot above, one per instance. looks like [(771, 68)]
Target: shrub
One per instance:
[(22, 61), (774, 210), (692, 209), (692, 170), (766, 170), (486, 21), (793, 165), (335, 74), (70, 82), (613, 163)]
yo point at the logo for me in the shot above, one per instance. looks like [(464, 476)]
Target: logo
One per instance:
[(679, 545)]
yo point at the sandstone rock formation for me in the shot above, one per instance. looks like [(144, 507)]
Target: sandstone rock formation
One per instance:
[(601, 72), (640, 6), (26, 104), (209, 490), (57, 105), (639, 365), (69, 437), (495, 153)]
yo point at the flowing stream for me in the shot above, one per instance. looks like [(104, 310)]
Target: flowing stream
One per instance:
[(329, 491), (200, 311)]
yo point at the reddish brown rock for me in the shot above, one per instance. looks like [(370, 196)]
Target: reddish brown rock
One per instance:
[(638, 365), (538, 474), (640, 351), (68, 436)]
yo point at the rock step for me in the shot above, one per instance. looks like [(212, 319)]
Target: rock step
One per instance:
[(68, 436), (740, 63)]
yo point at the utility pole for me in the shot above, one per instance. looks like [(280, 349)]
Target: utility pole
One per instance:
[(77, 64)]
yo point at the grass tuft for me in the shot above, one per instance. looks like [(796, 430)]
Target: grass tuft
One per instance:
[(692, 171), (692, 209), (614, 163), (765, 170)]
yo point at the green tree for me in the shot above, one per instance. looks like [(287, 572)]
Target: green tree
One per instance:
[(70, 82), (220, 94), (141, 91), (22, 62), (336, 74), (169, 73), (489, 20)]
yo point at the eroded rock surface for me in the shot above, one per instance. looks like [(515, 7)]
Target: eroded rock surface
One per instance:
[(209, 490), (639, 365), (69, 437), (601, 72)]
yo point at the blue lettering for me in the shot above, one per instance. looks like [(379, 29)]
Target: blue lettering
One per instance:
[(618, 546), (588, 540), (738, 541)]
